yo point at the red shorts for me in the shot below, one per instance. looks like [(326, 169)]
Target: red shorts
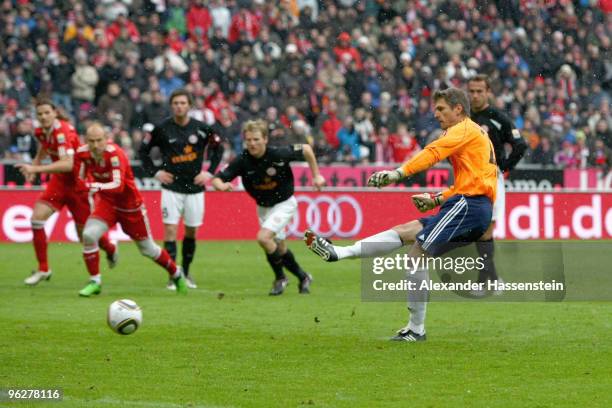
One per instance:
[(133, 222), (58, 194)]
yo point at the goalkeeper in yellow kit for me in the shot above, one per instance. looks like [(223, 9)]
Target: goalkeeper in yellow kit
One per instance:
[(465, 208)]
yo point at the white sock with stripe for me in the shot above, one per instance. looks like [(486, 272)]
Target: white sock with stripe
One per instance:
[(379, 244)]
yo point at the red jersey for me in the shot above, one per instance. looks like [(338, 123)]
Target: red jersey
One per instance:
[(111, 178), (60, 141)]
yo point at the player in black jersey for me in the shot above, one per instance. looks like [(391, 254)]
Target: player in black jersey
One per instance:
[(502, 132), (267, 177), (182, 142)]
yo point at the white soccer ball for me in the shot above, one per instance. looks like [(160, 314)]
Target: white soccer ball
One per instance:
[(124, 316)]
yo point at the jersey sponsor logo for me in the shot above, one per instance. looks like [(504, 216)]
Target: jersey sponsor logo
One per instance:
[(61, 138), (193, 139), (328, 216), (188, 156), (271, 171), (267, 184), (101, 176), (115, 161)]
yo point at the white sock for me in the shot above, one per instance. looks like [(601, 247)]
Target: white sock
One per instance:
[(96, 278), (417, 302), (379, 244)]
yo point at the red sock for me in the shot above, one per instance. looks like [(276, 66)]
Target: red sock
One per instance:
[(92, 260), (106, 245), (166, 262), (40, 247)]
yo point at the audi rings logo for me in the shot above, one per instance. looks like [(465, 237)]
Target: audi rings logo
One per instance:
[(328, 216)]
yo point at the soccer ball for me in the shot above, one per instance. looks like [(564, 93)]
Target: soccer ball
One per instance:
[(124, 316)]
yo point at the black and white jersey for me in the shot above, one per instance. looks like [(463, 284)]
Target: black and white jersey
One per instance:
[(501, 130), (182, 149), (268, 179)]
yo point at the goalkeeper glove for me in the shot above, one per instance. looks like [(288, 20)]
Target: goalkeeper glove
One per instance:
[(385, 177)]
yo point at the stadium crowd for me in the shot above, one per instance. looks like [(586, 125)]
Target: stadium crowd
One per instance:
[(352, 78)]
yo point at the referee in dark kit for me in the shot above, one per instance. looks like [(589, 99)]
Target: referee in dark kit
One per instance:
[(502, 132)]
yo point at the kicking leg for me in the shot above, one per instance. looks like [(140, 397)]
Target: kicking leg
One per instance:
[(42, 212), (375, 245)]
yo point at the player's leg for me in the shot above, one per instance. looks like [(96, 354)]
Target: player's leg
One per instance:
[(172, 208), (431, 239), (187, 253), (150, 249), (375, 245), (80, 208), (417, 302), (486, 250), (40, 214), (51, 200), (290, 263), (193, 216), (266, 240), (273, 221), (94, 229), (136, 225)]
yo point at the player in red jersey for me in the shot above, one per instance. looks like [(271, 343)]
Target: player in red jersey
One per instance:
[(108, 175), (59, 140)]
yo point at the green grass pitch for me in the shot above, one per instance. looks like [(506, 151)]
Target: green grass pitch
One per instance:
[(230, 344)]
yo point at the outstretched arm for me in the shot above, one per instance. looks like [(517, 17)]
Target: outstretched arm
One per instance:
[(318, 181), (63, 165)]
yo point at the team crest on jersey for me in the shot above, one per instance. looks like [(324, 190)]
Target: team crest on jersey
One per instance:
[(271, 171), (193, 139), (61, 138), (115, 161)]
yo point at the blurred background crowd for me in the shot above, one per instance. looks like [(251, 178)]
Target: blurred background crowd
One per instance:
[(352, 77)]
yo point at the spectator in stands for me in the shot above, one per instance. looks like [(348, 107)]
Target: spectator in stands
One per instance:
[(170, 82), (157, 110), (83, 80), (349, 141), (61, 74), (329, 124), (114, 106)]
